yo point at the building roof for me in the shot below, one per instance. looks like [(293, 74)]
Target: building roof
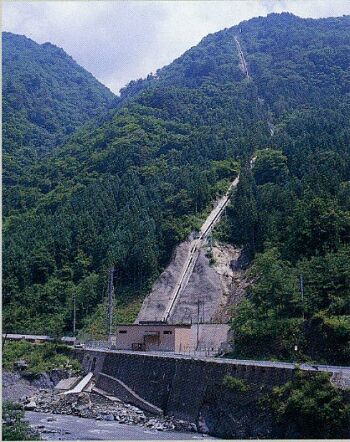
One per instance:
[(155, 325), (19, 336), (68, 339)]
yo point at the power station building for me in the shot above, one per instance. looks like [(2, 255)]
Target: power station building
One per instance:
[(176, 338), (153, 337)]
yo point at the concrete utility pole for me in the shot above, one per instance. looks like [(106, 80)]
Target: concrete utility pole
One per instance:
[(302, 294), (110, 300), (198, 303), (74, 314)]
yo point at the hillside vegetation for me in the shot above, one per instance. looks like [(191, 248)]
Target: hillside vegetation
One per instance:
[(297, 198), (39, 358), (128, 188), (46, 97)]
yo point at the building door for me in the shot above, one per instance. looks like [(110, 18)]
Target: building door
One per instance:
[(151, 341)]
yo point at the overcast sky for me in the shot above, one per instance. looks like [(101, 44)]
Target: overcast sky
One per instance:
[(118, 41)]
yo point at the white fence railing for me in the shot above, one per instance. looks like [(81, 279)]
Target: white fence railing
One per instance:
[(102, 345)]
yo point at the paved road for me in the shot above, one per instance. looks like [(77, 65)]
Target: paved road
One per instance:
[(196, 244), (65, 427), (290, 365)]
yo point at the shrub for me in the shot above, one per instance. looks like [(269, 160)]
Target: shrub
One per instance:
[(14, 427), (312, 405), (235, 384), (39, 357)]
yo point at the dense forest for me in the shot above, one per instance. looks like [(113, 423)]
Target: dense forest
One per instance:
[(46, 97), (126, 187), (297, 198)]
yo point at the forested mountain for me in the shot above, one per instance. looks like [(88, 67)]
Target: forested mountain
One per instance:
[(46, 97), (297, 199), (126, 192)]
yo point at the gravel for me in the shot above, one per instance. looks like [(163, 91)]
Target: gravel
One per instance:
[(95, 406)]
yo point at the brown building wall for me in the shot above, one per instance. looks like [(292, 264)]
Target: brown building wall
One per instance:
[(151, 337), (182, 339)]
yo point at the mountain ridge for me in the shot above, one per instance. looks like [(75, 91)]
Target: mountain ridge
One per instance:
[(127, 191), (46, 97)]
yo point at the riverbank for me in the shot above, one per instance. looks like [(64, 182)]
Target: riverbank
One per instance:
[(88, 405), (91, 405), (63, 427)]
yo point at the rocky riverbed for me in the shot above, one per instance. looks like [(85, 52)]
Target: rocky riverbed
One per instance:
[(88, 405), (64, 427), (94, 406)]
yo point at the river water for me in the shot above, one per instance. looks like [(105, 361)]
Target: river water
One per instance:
[(67, 427)]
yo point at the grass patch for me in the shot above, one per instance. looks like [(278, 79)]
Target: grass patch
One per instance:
[(39, 357)]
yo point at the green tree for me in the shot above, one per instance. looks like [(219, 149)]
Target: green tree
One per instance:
[(244, 212), (14, 426), (270, 167), (311, 407)]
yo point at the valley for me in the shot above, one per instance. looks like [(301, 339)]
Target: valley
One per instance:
[(217, 189)]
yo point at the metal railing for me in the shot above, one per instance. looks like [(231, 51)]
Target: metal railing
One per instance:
[(101, 345), (192, 350)]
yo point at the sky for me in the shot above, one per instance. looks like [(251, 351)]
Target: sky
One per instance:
[(120, 41)]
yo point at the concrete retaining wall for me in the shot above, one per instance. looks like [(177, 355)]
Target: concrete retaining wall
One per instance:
[(176, 385), (193, 390), (124, 393)]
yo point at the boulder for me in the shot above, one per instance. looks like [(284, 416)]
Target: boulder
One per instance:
[(108, 417), (21, 364), (30, 406)]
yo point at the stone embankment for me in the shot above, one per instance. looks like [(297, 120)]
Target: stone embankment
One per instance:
[(193, 388)]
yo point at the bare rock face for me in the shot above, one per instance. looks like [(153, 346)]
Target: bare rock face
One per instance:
[(218, 282), (155, 304), (20, 385), (21, 364), (229, 264), (31, 405), (14, 386)]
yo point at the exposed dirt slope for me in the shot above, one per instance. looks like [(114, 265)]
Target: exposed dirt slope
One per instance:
[(155, 304), (233, 280), (217, 286)]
